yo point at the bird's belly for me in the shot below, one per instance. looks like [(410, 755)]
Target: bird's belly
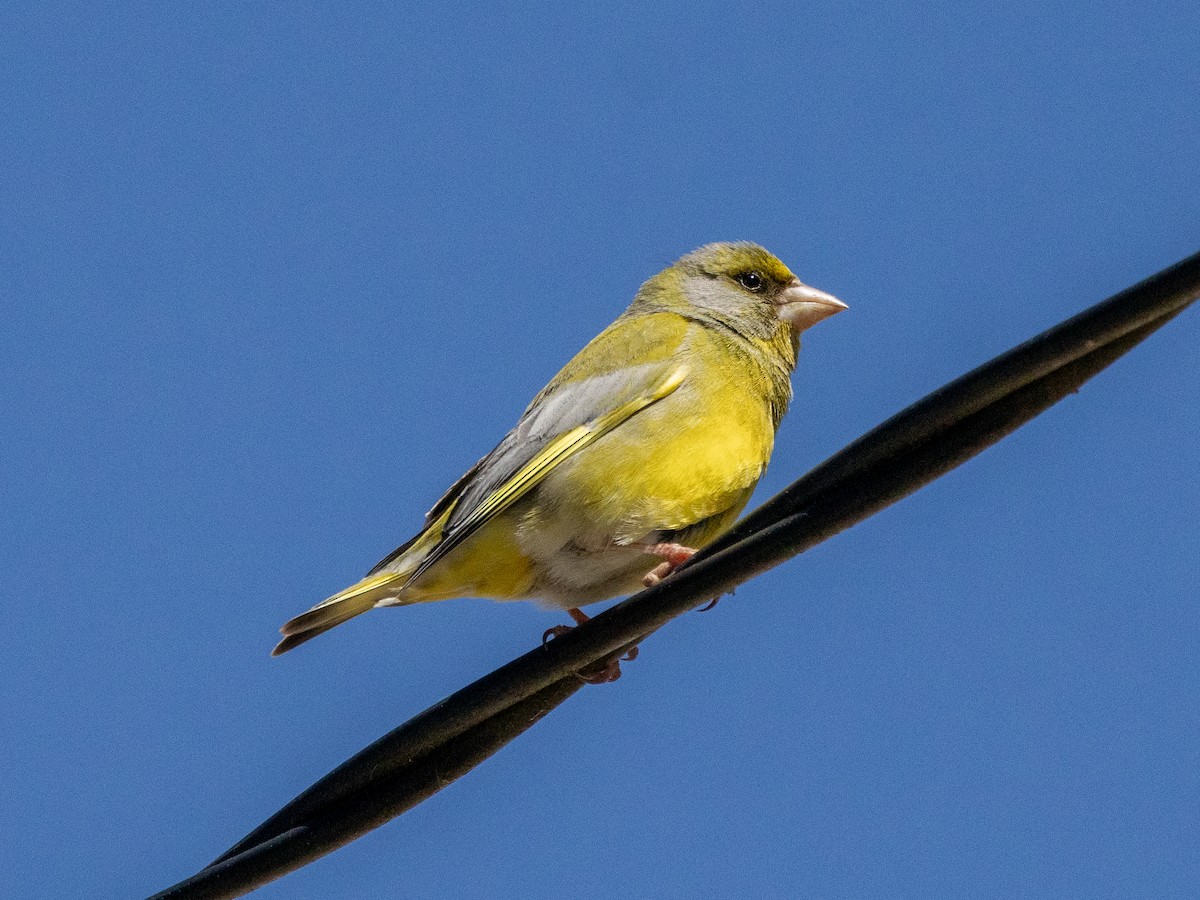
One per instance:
[(573, 576)]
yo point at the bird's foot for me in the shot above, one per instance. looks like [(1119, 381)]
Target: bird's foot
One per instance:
[(612, 669), (673, 556)]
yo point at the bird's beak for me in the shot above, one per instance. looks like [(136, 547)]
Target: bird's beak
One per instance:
[(802, 306)]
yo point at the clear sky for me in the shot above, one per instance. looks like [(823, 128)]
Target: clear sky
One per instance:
[(272, 278)]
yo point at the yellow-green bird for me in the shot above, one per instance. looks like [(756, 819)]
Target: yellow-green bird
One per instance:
[(645, 447)]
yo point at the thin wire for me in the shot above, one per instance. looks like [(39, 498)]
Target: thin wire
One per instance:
[(911, 449)]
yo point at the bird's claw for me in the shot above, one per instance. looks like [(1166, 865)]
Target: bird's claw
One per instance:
[(611, 670), (673, 556), (610, 673), (657, 574), (554, 631)]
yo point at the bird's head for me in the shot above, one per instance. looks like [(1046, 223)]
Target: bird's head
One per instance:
[(743, 286)]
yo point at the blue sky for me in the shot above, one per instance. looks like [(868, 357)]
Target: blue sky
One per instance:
[(272, 278)]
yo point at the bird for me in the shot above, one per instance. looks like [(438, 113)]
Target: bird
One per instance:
[(642, 449)]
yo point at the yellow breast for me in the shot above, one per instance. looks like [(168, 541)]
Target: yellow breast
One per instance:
[(692, 459)]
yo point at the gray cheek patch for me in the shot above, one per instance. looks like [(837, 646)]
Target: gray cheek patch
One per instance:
[(751, 316)]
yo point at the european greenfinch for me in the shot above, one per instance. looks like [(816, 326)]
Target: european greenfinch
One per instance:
[(645, 447)]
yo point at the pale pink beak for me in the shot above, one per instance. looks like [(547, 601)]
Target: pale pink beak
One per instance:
[(802, 306)]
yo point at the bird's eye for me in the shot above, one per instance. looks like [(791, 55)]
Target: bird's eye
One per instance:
[(751, 281)]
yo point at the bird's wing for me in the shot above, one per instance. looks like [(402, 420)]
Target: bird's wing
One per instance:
[(567, 416)]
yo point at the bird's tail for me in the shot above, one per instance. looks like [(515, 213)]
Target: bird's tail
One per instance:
[(388, 581), (339, 608)]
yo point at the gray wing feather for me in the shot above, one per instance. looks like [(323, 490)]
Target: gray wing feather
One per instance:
[(556, 410)]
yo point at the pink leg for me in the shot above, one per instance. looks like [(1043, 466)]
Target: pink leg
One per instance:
[(673, 555)]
